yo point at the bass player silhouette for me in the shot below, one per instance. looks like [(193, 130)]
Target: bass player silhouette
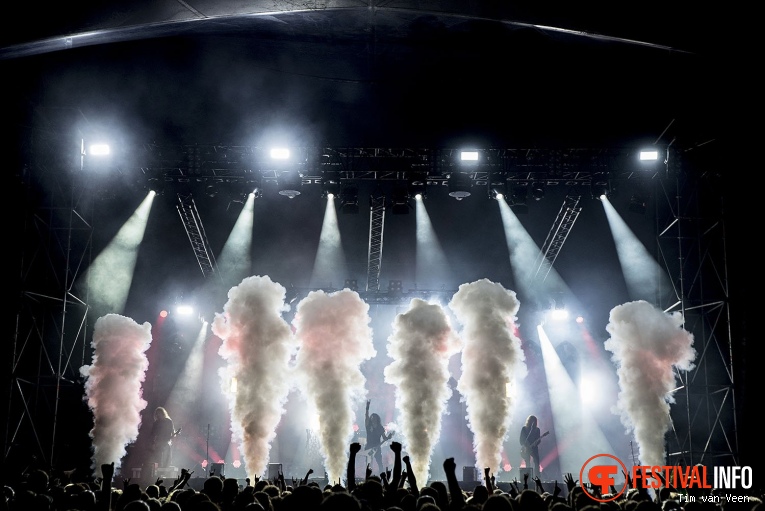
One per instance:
[(529, 439)]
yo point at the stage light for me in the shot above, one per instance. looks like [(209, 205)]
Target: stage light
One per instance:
[(99, 150), (289, 183), (163, 314), (469, 156), (497, 195), (599, 189), (559, 314), (330, 184), (280, 153), (649, 155), (459, 185), (418, 185), (184, 310)]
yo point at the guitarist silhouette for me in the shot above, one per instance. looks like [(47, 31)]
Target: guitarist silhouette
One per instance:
[(529, 439), (376, 437), (162, 433)]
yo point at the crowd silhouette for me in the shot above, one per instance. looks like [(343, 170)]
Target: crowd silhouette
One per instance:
[(395, 489)]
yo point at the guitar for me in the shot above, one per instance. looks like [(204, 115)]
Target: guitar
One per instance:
[(175, 434), (372, 451), (526, 448)]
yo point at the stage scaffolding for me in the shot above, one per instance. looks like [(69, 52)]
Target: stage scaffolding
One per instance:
[(51, 332)]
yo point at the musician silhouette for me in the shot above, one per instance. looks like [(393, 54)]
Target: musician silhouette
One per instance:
[(162, 434), (529, 439), (376, 436)]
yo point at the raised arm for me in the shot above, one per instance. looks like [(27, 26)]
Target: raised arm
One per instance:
[(488, 479), (105, 494), (456, 499), (411, 478), (350, 472), (396, 448)]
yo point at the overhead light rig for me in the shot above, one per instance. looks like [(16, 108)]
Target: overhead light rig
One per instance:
[(253, 167)]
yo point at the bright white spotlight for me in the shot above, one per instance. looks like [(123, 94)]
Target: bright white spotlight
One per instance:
[(280, 153), (184, 310), (559, 314), (500, 196), (418, 196), (652, 155), (99, 150), (469, 156), (330, 196)]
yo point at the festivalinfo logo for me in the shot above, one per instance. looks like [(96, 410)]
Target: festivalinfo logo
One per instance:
[(601, 470)]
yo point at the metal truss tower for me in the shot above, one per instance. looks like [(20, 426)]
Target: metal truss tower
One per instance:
[(192, 222), (376, 226), (560, 230), (49, 343), (691, 246)]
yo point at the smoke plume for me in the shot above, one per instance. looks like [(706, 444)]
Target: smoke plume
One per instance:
[(491, 359), (420, 346), (257, 346), (335, 339), (113, 386), (646, 343)]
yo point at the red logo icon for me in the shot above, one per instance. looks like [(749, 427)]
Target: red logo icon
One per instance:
[(603, 476)]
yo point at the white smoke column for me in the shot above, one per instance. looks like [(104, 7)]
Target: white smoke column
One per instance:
[(335, 339), (113, 386), (257, 346), (491, 359), (420, 346), (646, 343)]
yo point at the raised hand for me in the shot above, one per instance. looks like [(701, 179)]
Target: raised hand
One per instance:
[(395, 447), (449, 465), (557, 489), (369, 471), (107, 470), (355, 447), (570, 483)]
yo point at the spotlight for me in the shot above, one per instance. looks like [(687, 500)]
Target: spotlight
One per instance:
[(599, 189), (330, 184), (496, 194), (469, 156), (459, 185), (649, 155), (280, 153), (418, 185), (99, 150), (289, 183), (184, 310)]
